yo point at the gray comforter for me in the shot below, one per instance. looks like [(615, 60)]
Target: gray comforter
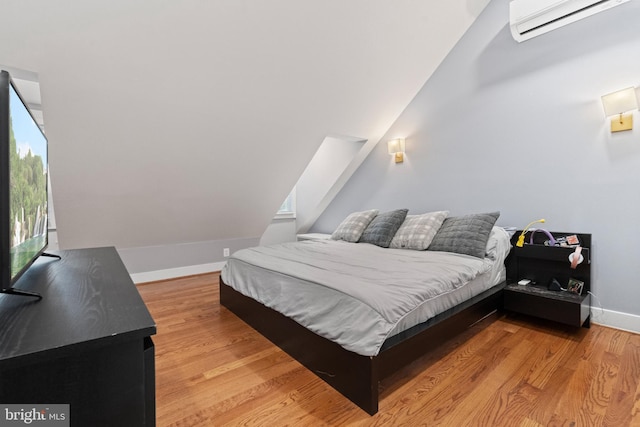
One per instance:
[(352, 293)]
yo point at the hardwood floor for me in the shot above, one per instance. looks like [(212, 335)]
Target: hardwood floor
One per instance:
[(214, 370)]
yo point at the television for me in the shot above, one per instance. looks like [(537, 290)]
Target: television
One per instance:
[(23, 188)]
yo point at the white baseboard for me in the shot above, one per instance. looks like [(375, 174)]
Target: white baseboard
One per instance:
[(615, 319), (172, 273)]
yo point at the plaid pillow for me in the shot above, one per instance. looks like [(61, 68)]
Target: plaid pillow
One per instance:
[(383, 227), (352, 227), (417, 231), (466, 234)]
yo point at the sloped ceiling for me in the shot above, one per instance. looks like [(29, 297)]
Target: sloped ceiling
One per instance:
[(174, 122)]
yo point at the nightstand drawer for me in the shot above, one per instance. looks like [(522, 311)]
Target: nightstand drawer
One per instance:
[(567, 309)]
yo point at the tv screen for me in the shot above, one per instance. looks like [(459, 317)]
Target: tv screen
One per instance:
[(23, 183)]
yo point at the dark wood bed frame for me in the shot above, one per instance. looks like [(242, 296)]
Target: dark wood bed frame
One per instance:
[(354, 375)]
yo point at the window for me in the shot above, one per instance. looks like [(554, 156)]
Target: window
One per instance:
[(288, 207)]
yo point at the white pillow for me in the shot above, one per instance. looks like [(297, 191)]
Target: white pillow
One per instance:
[(417, 231), (499, 244), (351, 228)]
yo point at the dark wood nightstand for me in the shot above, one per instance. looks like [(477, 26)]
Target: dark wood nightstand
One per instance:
[(541, 264)]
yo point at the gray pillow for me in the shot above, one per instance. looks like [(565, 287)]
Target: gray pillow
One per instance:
[(351, 228), (383, 227), (466, 235), (417, 231)]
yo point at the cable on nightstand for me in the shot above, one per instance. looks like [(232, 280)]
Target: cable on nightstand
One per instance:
[(597, 301)]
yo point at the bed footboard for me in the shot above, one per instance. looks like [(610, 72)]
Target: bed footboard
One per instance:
[(354, 375)]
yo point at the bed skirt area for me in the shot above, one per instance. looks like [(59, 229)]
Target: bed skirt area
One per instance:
[(354, 375)]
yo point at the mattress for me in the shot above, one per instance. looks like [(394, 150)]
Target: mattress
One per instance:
[(358, 294)]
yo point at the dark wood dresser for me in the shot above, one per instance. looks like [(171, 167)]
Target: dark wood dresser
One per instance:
[(86, 343)]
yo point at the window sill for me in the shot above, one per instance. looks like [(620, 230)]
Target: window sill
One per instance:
[(285, 215)]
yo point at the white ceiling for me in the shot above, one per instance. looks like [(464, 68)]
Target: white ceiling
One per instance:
[(173, 122)]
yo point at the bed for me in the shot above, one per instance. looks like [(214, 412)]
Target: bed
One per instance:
[(353, 313)]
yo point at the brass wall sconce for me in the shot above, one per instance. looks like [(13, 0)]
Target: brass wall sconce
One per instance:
[(396, 148), (617, 105)]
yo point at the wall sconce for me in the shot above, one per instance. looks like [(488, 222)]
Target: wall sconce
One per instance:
[(618, 103), (396, 148)]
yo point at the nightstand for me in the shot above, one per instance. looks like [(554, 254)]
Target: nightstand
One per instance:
[(541, 264)]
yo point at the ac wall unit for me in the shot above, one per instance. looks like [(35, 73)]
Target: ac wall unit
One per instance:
[(530, 18)]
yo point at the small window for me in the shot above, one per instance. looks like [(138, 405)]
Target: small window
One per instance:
[(288, 207)]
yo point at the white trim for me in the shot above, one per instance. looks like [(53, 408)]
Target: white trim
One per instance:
[(285, 215), (615, 319), (172, 273)]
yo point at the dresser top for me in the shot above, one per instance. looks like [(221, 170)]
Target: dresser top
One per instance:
[(88, 299)]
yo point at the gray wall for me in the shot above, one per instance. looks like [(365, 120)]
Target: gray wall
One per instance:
[(165, 261), (188, 122), (520, 128), (279, 231)]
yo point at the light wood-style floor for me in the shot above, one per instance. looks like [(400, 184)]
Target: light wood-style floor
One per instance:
[(214, 370)]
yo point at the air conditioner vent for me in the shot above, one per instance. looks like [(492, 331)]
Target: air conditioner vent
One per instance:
[(530, 18)]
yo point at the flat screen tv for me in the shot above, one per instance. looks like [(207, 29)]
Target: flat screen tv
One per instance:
[(23, 188)]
